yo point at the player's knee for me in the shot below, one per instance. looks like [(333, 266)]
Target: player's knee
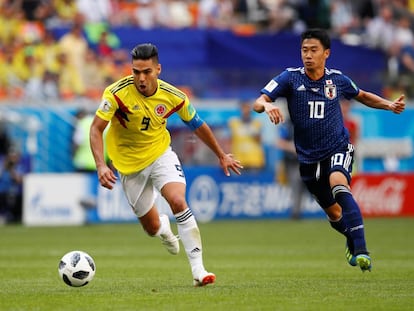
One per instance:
[(337, 178), (151, 227), (177, 203), (334, 212)]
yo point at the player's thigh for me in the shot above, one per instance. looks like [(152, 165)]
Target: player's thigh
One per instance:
[(342, 162), (315, 177), (139, 191), (167, 169)]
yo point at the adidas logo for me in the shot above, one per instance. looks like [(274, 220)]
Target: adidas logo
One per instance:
[(195, 250), (301, 88)]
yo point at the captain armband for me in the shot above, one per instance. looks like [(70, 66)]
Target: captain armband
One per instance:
[(194, 123)]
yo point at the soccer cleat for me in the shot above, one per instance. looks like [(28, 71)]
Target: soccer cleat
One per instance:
[(204, 278), (364, 262), (349, 256), (169, 240)]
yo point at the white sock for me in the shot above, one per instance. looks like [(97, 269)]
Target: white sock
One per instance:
[(191, 239), (164, 226)]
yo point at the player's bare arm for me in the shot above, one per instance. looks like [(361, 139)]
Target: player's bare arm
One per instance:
[(227, 162), (105, 175), (264, 104), (374, 101)]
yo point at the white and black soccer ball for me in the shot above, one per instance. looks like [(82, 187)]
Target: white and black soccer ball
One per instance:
[(77, 268)]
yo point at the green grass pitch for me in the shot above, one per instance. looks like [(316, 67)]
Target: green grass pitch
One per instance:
[(260, 265)]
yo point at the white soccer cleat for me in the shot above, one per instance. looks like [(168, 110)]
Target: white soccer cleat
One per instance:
[(204, 278), (169, 240)]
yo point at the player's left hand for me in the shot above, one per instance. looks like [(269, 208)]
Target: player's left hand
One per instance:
[(398, 105), (228, 162)]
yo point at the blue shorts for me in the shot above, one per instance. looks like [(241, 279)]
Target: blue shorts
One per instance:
[(316, 175)]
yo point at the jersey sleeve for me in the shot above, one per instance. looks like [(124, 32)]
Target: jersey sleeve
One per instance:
[(187, 111), (350, 89), (278, 86), (107, 107)]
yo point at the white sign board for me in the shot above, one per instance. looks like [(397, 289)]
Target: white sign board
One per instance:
[(54, 199)]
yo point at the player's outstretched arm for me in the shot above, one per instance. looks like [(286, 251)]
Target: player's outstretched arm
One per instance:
[(264, 104), (374, 101), (227, 162)]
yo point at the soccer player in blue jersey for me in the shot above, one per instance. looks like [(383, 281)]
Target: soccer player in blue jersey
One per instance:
[(313, 94), (136, 109)]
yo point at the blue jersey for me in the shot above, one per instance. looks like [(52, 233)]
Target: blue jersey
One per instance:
[(314, 108)]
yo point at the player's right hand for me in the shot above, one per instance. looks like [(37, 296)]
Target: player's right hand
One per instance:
[(228, 162), (274, 113), (106, 177)]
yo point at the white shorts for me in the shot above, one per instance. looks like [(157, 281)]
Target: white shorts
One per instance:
[(141, 188)]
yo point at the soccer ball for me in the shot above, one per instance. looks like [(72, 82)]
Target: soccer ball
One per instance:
[(77, 268)]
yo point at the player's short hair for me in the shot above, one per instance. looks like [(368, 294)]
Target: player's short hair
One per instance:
[(319, 34), (145, 51)]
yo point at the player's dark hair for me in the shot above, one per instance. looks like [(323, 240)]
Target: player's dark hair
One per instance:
[(145, 51), (319, 34)]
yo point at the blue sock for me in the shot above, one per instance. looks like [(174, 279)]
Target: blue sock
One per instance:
[(352, 218), (342, 228)]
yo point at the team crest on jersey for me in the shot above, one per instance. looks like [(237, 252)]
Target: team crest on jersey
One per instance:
[(160, 110), (330, 89)]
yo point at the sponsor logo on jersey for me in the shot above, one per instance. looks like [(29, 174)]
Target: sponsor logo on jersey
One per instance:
[(160, 110), (330, 90)]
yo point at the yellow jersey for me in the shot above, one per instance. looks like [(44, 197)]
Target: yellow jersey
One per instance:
[(245, 144), (138, 133)]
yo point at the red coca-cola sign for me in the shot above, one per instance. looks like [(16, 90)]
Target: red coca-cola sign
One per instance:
[(384, 194)]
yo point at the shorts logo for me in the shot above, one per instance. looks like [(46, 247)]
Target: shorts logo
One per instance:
[(160, 110), (330, 90)]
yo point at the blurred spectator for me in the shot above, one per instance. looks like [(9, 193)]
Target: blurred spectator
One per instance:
[(350, 122), (104, 47), (73, 48), (403, 33), (380, 30), (5, 142), (11, 187), (253, 12), (342, 17), (174, 14), (70, 81), (95, 11), (145, 14), (283, 16), (315, 13), (406, 69), (65, 12), (246, 138), (36, 10), (47, 51), (83, 160), (287, 169), (215, 14), (93, 72)]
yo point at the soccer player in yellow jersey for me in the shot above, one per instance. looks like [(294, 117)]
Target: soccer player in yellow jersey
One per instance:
[(138, 143)]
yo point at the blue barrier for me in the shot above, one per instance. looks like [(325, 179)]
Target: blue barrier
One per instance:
[(54, 137)]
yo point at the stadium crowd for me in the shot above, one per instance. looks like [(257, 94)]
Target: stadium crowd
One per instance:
[(32, 58)]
